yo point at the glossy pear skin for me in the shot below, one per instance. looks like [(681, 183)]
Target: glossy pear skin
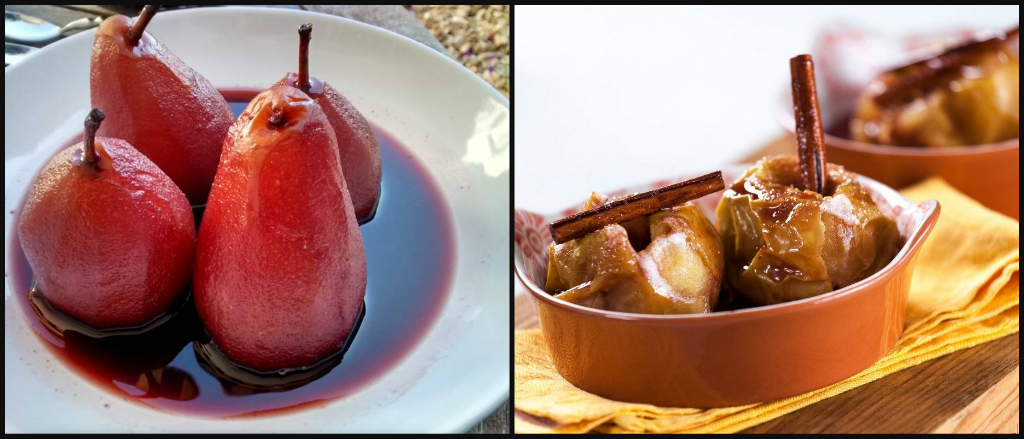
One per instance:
[(280, 267), (358, 148), (112, 248), (161, 106)]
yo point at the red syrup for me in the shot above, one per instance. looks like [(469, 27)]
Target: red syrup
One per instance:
[(410, 251)]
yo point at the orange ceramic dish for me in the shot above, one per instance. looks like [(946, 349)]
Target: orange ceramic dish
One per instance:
[(730, 358), (989, 173)]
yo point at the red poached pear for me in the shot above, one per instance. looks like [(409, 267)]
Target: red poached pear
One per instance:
[(165, 109), (280, 266), (108, 235), (359, 152)]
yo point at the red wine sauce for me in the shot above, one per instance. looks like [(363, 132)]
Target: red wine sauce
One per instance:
[(410, 246)]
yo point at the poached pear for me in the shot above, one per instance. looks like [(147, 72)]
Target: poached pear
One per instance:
[(280, 266), (358, 148), (168, 111), (110, 238)]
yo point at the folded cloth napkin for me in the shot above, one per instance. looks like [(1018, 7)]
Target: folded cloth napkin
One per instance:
[(965, 292)]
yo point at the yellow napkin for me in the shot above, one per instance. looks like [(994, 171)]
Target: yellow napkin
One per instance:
[(965, 292)]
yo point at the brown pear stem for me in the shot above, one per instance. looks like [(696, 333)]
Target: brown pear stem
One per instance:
[(139, 27), (305, 34), (276, 117), (92, 124), (810, 137)]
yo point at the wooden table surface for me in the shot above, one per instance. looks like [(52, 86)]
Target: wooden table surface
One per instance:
[(971, 391), (392, 17)]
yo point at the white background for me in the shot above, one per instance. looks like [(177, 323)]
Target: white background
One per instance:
[(611, 97)]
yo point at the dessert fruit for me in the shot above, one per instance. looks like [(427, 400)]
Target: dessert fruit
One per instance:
[(359, 152), (108, 235), (280, 266), (168, 111)]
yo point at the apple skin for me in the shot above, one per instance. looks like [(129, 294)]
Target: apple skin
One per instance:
[(111, 248), (280, 266)]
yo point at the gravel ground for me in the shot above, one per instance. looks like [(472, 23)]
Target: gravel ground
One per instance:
[(475, 35)]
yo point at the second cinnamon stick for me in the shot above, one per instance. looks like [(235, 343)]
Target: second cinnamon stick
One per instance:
[(635, 206)]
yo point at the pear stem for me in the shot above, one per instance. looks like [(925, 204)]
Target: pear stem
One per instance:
[(92, 124), (276, 117), (139, 27), (305, 34)]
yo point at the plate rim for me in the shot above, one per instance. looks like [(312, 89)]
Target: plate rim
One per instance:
[(494, 395)]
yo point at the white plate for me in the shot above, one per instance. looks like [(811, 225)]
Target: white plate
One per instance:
[(456, 125)]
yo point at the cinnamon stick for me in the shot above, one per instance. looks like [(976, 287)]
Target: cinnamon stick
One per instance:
[(635, 206), (810, 137)]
